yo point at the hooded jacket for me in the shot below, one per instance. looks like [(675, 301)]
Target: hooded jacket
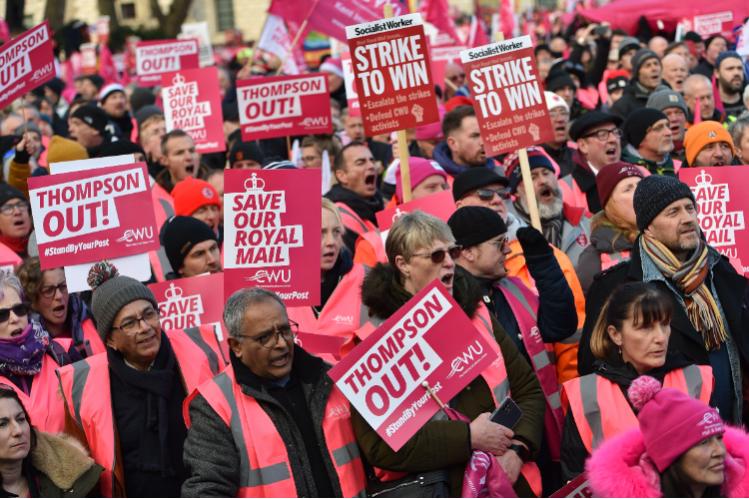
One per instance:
[(444, 157), (605, 238), (622, 468), (442, 444)]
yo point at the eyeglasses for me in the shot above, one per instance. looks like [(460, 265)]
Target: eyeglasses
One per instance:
[(19, 310), (7, 209), (49, 291), (438, 256), (488, 194), (500, 243), (604, 134), (459, 76), (268, 339), (130, 325)]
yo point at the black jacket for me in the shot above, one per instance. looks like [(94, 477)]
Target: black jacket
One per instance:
[(634, 97), (563, 157)]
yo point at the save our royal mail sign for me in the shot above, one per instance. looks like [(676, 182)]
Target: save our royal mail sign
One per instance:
[(430, 339), (282, 106), (190, 302), (164, 56), (25, 63), (272, 233), (392, 74), (84, 217), (508, 96)]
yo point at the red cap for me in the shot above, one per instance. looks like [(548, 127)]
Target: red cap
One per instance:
[(192, 194), (612, 174)]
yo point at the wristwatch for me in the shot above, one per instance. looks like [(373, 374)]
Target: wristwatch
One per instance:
[(522, 451)]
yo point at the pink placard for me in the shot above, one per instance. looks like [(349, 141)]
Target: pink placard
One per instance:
[(321, 344), (272, 221), (25, 63), (83, 217), (281, 106), (164, 56), (190, 302), (508, 96), (192, 102), (393, 77), (382, 377), (332, 16), (441, 205)]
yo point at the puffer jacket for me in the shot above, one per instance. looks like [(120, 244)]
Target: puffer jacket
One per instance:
[(622, 468), (605, 239)]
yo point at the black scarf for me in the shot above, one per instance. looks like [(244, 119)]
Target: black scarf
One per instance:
[(364, 207)]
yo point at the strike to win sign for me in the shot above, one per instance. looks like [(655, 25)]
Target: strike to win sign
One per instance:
[(272, 233), (84, 217), (392, 73), (382, 377), (283, 106), (509, 99), (190, 302), (26, 63), (164, 56), (192, 103)]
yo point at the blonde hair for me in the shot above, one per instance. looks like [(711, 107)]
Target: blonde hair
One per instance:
[(414, 231)]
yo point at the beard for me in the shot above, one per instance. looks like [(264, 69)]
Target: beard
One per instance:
[(547, 211)]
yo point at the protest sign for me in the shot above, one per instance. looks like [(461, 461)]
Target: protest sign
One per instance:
[(190, 302), (25, 63), (79, 165), (393, 74), (742, 45), (710, 24), (722, 196), (9, 259), (192, 102), (383, 376), (508, 96), (200, 32), (577, 487), (84, 217), (281, 106), (441, 205), (321, 344), (89, 59), (272, 221), (164, 56), (441, 56), (352, 98)]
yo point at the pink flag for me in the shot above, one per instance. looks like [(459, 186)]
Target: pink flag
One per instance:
[(507, 18), (477, 35), (697, 112), (437, 13)]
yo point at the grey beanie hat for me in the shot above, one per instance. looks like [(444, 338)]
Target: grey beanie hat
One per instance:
[(654, 193), (113, 291), (666, 98)]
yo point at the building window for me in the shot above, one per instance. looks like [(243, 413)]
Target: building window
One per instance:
[(128, 10), (224, 14)]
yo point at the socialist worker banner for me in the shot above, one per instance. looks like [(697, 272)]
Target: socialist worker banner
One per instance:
[(25, 63), (192, 102), (430, 339), (393, 75), (84, 217), (164, 56), (281, 106), (190, 302), (508, 96), (722, 196), (441, 205), (272, 223)]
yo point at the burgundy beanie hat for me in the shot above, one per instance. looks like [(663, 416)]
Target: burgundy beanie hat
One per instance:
[(671, 422), (612, 174)]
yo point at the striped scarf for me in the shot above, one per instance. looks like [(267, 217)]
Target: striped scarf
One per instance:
[(689, 278)]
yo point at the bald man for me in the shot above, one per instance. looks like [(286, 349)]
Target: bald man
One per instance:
[(698, 87), (675, 71), (658, 44)]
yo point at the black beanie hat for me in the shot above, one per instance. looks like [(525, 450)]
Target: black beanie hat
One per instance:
[(180, 234), (654, 193), (472, 225), (475, 178), (559, 79), (93, 116), (636, 126), (8, 192), (246, 150)]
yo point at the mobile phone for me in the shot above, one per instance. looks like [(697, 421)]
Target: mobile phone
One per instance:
[(508, 413)]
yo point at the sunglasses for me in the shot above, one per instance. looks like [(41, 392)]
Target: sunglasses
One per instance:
[(19, 309), (488, 194), (438, 256)]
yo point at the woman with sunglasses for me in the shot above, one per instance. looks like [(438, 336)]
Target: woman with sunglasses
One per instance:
[(15, 220), (63, 315), (420, 250), (29, 357), (126, 403)]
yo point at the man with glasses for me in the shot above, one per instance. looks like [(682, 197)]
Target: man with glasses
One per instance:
[(273, 424), (558, 149), (647, 133), (15, 220)]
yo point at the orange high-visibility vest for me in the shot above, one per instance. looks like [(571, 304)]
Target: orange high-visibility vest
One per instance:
[(91, 337), (264, 469), (369, 249), (86, 391), (601, 411), (352, 221), (163, 208), (608, 260)]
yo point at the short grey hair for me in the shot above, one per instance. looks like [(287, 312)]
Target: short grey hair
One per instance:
[(10, 280), (238, 304)]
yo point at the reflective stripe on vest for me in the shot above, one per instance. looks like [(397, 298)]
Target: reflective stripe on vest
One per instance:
[(264, 469), (352, 221), (601, 411), (43, 403), (524, 305), (608, 260), (204, 337), (91, 335), (344, 310)]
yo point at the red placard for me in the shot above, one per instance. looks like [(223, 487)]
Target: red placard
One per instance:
[(393, 75), (164, 56), (83, 217), (382, 377), (25, 63), (190, 302), (321, 344), (441, 205), (280, 106), (352, 98), (192, 103), (577, 487), (272, 223), (508, 96), (722, 195)]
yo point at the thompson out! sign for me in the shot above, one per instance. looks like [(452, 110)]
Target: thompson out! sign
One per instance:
[(25, 63), (383, 376)]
